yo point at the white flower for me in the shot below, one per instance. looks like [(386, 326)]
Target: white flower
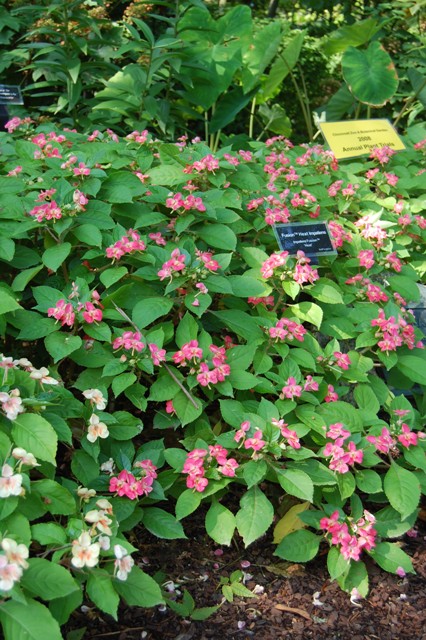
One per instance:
[(43, 375), (15, 553), (24, 457), (10, 483), (96, 397), (104, 542), (99, 520), (9, 574), (84, 552), (96, 429), (11, 404), (123, 563), (85, 494), (105, 505), (108, 466)]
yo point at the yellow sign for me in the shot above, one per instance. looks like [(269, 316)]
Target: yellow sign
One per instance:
[(358, 137)]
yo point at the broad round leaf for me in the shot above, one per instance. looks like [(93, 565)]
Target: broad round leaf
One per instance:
[(370, 74)]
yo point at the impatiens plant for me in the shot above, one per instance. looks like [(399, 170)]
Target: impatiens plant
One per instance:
[(185, 358)]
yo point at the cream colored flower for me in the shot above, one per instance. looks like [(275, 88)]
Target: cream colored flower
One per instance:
[(96, 429), (84, 552), (96, 397)]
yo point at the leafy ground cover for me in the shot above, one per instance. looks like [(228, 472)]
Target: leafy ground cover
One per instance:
[(162, 355)]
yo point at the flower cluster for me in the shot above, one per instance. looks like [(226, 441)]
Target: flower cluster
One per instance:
[(351, 537), (11, 403), (175, 264), (286, 329), (368, 290), (65, 312), (47, 211), (177, 201), (293, 390), (302, 273), (342, 454), (209, 163), (393, 333), (199, 461), (129, 243), (13, 561), (209, 371), (130, 341), (127, 484)]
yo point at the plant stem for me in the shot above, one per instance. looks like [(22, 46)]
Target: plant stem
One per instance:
[(251, 121)]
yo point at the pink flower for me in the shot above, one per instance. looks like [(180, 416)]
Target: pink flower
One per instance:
[(256, 443), (407, 437), (342, 360), (228, 467), (129, 341), (366, 258), (91, 314), (331, 394), (291, 389), (158, 355)]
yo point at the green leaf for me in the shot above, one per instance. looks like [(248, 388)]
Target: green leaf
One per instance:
[(113, 275), (30, 621), (220, 523), (219, 236), (228, 107), (149, 309), (296, 483), (24, 277), (346, 484), (366, 400), (298, 546), (241, 323), (284, 64), (187, 503), (55, 256), (336, 563), (122, 382), (139, 590), (255, 515), (341, 412), (7, 302), (389, 556), (89, 234), (368, 481), (62, 608), (245, 286), (60, 345), (33, 433), (390, 525), (413, 367), (187, 330), (100, 590), (327, 291), (351, 35), (58, 499), (47, 533), (242, 379), (355, 578), (254, 471), (17, 526), (370, 74), (162, 524), (232, 412), (84, 468), (185, 409), (402, 489), (309, 312), (47, 579)]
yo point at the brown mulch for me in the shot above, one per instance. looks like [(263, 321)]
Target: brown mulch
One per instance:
[(393, 610)]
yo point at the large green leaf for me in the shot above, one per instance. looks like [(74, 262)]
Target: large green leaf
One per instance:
[(284, 64), (261, 52), (370, 74), (33, 433), (149, 309), (228, 107), (402, 489), (220, 523), (162, 524), (255, 515), (139, 590), (299, 546), (351, 35), (29, 621), (47, 579)]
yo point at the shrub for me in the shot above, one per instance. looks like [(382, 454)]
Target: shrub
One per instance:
[(179, 354)]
